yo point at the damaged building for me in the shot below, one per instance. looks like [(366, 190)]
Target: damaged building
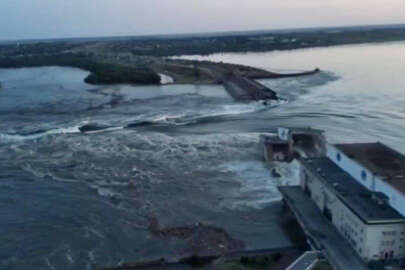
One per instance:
[(288, 144)]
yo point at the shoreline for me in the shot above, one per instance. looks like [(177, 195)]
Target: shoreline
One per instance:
[(140, 61), (376, 42), (107, 70)]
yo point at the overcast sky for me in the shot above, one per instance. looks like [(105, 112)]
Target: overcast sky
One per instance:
[(83, 18)]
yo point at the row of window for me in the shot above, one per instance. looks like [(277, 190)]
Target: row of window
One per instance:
[(351, 235), (349, 229)]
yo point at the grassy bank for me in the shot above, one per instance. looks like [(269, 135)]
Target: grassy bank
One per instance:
[(101, 73)]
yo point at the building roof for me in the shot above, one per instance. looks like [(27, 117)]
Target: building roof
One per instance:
[(367, 205), (383, 161)]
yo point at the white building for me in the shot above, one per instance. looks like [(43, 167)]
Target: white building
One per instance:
[(374, 229), (375, 166)]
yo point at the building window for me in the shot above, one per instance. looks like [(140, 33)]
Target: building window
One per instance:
[(363, 175), (338, 157)]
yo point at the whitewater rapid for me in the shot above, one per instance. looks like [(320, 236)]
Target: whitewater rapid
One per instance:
[(183, 154)]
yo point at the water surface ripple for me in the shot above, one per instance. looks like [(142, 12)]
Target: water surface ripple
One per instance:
[(184, 154)]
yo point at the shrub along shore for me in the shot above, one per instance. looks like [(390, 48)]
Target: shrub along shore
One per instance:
[(100, 73)]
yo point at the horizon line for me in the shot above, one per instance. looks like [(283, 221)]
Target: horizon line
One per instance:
[(201, 34)]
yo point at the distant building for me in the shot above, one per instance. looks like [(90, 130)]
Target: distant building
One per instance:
[(360, 189)]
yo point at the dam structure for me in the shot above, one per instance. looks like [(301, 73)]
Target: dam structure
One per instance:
[(246, 89), (242, 86)]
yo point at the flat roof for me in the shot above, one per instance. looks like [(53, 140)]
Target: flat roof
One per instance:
[(359, 199), (383, 161)]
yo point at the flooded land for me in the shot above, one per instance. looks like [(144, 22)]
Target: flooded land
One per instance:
[(171, 166)]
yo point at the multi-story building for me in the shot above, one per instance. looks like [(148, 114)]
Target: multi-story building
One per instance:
[(376, 167), (359, 188)]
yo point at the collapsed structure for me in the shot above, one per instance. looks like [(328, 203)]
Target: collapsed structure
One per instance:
[(360, 189), (246, 89), (288, 144)]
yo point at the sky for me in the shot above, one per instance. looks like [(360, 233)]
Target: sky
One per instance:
[(27, 19)]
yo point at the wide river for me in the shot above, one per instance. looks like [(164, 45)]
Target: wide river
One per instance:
[(69, 200)]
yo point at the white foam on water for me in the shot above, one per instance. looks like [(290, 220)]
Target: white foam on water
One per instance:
[(258, 187), (61, 250), (37, 173), (95, 232), (104, 130), (242, 108), (168, 118), (9, 138), (45, 174), (235, 109), (103, 191), (68, 130), (165, 79), (105, 183), (92, 255), (49, 264), (63, 180), (191, 116), (69, 256), (17, 137)]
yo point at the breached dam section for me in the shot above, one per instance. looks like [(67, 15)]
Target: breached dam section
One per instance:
[(193, 155), (245, 89)]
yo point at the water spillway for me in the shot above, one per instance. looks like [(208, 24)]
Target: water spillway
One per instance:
[(245, 89)]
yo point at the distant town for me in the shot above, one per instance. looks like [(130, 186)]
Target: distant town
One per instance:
[(140, 60)]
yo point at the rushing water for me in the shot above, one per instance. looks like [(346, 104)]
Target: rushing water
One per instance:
[(191, 154)]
